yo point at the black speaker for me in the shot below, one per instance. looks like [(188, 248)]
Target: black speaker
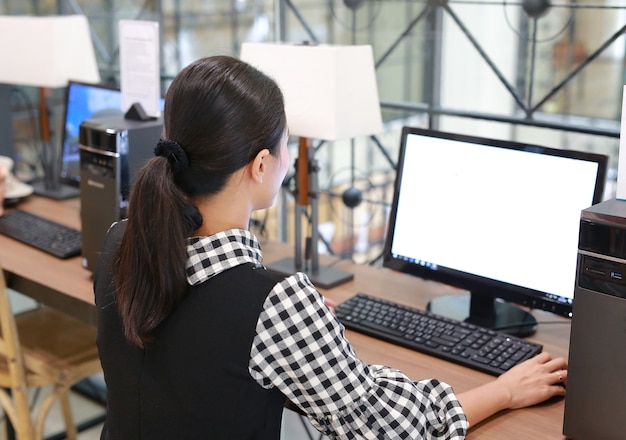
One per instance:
[(595, 400)]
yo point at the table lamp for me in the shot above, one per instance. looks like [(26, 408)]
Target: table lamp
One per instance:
[(47, 52), (330, 94)]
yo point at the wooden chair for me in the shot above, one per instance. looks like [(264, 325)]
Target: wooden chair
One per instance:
[(40, 348)]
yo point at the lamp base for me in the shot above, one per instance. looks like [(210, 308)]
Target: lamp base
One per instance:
[(325, 278), (58, 192)]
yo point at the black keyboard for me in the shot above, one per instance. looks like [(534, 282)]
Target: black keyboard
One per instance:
[(46, 235), (456, 341)]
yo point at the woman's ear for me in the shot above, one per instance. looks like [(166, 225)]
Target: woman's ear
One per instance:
[(258, 166)]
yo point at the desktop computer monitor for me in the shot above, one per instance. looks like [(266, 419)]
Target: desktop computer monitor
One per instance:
[(496, 218), (84, 101)]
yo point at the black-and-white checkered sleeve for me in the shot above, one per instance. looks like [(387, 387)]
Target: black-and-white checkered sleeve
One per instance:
[(300, 348)]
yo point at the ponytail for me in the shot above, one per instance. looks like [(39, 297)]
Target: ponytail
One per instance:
[(149, 268)]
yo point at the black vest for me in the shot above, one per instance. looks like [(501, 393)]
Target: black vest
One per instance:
[(192, 382)]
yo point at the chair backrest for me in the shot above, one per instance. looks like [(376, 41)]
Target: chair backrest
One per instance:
[(14, 403)]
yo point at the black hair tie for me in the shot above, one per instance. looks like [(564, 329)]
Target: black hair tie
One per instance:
[(192, 218), (174, 153)]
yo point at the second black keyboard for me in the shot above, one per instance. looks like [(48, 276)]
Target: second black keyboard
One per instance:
[(456, 341), (41, 233)]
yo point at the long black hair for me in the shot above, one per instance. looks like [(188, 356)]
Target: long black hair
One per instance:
[(221, 112)]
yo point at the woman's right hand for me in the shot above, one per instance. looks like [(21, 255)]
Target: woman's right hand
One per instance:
[(531, 382), (535, 380)]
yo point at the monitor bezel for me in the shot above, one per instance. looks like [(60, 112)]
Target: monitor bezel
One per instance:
[(497, 289)]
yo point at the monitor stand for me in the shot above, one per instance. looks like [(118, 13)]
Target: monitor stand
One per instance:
[(57, 191), (50, 185), (485, 311)]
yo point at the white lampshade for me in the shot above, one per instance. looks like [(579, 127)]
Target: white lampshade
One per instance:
[(46, 51), (330, 91)]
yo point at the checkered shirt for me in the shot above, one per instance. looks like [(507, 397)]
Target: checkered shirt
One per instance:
[(300, 348)]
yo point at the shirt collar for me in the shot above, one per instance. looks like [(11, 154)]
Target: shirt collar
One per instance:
[(211, 255)]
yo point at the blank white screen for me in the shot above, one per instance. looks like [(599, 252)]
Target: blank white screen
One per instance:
[(503, 214)]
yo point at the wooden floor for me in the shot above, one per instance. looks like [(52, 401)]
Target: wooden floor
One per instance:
[(83, 408)]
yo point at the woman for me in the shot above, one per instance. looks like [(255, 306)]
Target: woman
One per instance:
[(198, 340)]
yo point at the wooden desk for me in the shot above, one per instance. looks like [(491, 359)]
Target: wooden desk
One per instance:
[(540, 422), (62, 284), (66, 285)]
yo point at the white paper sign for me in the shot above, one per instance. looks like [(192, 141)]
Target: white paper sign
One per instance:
[(140, 65), (621, 166)]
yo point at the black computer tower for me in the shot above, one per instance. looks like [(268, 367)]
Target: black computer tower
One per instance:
[(112, 150), (595, 401)]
